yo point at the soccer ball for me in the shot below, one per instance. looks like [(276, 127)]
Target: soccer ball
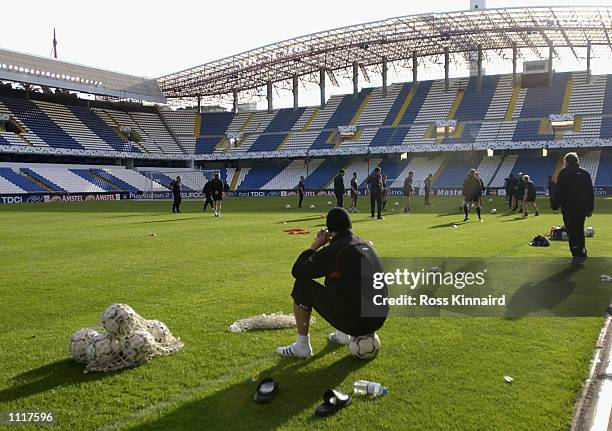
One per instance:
[(288, 206), (138, 347), (103, 349), (329, 202), (396, 204), (79, 342), (365, 346), (119, 319), (158, 330), (490, 201), (589, 232), (312, 206), (493, 211)]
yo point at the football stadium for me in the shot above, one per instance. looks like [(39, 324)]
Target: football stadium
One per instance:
[(454, 170)]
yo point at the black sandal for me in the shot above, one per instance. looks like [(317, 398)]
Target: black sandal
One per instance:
[(266, 390), (333, 401)]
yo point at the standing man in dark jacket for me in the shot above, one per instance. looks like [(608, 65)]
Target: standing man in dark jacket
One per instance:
[(354, 193), (472, 191), (339, 189), (374, 185), (408, 190), (206, 191), (530, 196), (427, 187), (510, 184), (348, 264), (301, 191), (575, 196), (551, 189), (519, 192), (175, 186)]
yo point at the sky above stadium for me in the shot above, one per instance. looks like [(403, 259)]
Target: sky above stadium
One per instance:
[(153, 38)]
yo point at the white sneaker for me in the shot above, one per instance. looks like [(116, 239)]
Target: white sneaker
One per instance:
[(295, 351), (338, 338)]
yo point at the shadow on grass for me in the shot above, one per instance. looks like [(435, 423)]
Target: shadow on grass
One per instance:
[(46, 378), (234, 408), (515, 219), (448, 214), (544, 295), (318, 217), (143, 214), (170, 220), (451, 224)]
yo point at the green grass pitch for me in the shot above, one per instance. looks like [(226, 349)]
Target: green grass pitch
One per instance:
[(63, 264)]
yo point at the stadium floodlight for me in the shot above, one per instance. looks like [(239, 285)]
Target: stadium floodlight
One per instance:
[(490, 152)]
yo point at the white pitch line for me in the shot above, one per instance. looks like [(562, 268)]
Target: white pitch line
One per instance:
[(186, 394), (603, 407)]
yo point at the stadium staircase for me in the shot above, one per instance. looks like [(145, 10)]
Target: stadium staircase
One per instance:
[(88, 175), (506, 168), (235, 178), (42, 182), (22, 181), (488, 167)]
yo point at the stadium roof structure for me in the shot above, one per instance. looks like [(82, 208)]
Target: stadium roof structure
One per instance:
[(396, 39), (49, 72)]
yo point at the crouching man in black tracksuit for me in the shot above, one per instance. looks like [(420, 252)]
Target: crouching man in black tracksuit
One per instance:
[(348, 265), (574, 195)]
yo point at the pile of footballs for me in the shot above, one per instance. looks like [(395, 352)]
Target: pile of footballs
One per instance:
[(122, 339)]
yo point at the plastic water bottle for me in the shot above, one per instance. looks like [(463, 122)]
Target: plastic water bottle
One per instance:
[(364, 387)]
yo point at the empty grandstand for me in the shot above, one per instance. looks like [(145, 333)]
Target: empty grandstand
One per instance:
[(499, 124)]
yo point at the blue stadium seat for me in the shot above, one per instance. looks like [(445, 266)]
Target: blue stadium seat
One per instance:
[(606, 128), (537, 167), (346, 110), (542, 101), (475, 103), (33, 117), (284, 120), (382, 137), (267, 142), (604, 172), (215, 123), (416, 103), (87, 175), (529, 131), (206, 144), (103, 130), (321, 142), (468, 136), (259, 175), (455, 172), (318, 178), (122, 185), (21, 181), (399, 101), (392, 168), (607, 106), (51, 185), (165, 180)]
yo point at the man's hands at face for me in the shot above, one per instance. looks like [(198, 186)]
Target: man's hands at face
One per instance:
[(321, 239)]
